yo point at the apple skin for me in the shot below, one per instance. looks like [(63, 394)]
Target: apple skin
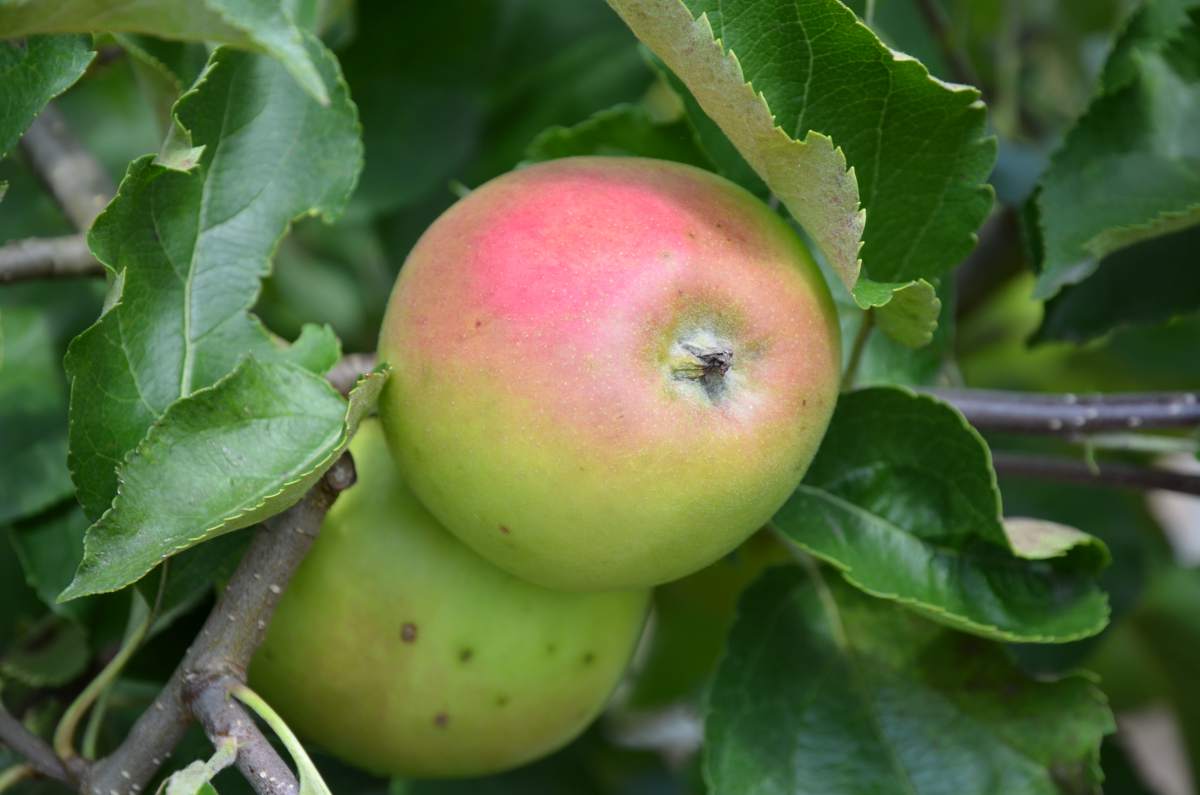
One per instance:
[(401, 651), (559, 342)]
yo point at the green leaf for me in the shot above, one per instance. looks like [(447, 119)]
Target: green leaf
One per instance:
[(494, 72), (33, 407), (917, 146), (50, 548), (36, 322), (311, 782), (902, 499), (226, 457), (887, 362), (164, 69), (1129, 170), (260, 25), (808, 175), (1150, 282), (188, 249), (50, 654), (33, 73), (907, 312), (824, 690), (625, 130), (196, 778), (191, 576)]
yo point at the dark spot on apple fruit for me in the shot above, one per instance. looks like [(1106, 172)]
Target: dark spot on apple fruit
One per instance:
[(441, 719), (589, 658), (466, 654), (408, 632), (501, 701), (504, 529)]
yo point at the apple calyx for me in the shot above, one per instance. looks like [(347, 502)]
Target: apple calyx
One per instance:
[(704, 359)]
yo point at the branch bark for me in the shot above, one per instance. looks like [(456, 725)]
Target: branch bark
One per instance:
[(73, 176), (47, 258), (1108, 474), (222, 651), (1071, 415), (33, 748), (222, 716)]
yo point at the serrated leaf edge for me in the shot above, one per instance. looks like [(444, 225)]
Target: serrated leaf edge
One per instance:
[(327, 215), (999, 514), (846, 264), (355, 408)]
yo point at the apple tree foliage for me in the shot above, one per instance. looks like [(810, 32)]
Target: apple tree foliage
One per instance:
[(276, 159)]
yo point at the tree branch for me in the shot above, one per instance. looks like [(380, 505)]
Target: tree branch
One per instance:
[(1107, 474), (222, 716), (935, 19), (47, 258), (33, 748), (223, 649), (73, 176), (1071, 415)]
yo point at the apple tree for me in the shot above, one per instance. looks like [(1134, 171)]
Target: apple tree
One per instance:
[(774, 396)]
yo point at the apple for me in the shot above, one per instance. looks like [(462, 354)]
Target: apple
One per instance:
[(607, 372), (401, 651)]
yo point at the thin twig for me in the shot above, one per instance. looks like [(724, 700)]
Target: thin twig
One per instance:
[(858, 349), (73, 176), (222, 716), (33, 748), (141, 617), (1106, 474), (12, 776), (47, 258), (227, 641), (935, 19), (1071, 415)]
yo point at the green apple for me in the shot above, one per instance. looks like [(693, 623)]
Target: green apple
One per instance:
[(608, 372), (401, 651)]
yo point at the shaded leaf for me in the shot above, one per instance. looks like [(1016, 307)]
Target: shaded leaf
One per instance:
[(50, 548), (261, 25), (188, 249), (36, 322), (1129, 169), (31, 74), (33, 408), (226, 457), (50, 654), (824, 690), (624, 130), (1150, 282), (902, 499)]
